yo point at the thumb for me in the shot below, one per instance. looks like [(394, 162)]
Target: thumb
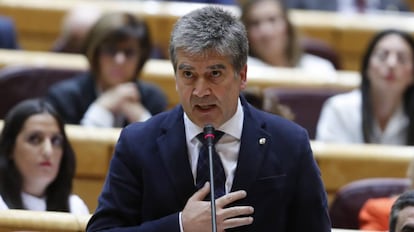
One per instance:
[(201, 193)]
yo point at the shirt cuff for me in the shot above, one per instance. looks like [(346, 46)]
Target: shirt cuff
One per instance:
[(181, 222), (97, 116)]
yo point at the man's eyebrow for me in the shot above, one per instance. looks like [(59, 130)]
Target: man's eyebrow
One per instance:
[(217, 66), (185, 66)]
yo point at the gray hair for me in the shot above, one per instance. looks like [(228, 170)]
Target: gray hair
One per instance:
[(210, 29), (404, 200)]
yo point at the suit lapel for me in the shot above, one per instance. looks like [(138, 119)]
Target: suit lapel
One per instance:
[(253, 148), (174, 154)]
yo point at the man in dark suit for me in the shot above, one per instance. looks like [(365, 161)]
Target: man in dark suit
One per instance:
[(272, 182)]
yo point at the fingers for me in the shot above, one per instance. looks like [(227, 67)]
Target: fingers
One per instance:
[(236, 211), (230, 198), (201, 193), (236, 222)]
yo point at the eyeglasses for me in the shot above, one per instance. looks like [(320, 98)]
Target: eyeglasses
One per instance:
[(129, 53)]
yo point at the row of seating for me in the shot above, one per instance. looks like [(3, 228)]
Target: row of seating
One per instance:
[(38, 23), (340, 164), (303, 92)]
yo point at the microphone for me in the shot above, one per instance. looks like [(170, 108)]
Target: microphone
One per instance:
[(209, 137)]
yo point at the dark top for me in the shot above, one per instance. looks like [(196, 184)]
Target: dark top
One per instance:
[(72, 97)]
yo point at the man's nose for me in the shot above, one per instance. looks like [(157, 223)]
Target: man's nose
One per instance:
[(201, 88)]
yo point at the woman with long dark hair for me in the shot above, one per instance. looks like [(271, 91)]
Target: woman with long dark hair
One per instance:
[(37, 163), (381, 110)]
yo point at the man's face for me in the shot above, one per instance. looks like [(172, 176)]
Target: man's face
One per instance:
[(208, 87), (405, 221)]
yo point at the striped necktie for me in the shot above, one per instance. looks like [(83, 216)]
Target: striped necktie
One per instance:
[(203, 173)]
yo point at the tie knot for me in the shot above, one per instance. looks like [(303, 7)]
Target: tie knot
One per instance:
[(217, 136)]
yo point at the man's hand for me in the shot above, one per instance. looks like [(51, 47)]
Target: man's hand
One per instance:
[(196, 215)]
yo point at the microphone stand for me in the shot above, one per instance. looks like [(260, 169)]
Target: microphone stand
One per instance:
[(209, 136)]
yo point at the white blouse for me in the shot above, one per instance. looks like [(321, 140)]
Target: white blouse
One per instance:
[(309, 63), (341, 121), (30, 202)]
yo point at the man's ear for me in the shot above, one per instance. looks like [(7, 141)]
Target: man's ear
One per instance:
[(243, 77)]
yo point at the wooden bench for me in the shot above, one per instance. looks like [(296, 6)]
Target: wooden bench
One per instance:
[(339, 163), (25, 220), (38, 23), (19, 220), (160, 72)]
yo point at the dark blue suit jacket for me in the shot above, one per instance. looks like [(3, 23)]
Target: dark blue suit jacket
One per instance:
[(150, 178)]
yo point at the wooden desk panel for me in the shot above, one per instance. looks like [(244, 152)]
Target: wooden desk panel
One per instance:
[(18, 220), (38, 23), (339, 163), (161, 73)]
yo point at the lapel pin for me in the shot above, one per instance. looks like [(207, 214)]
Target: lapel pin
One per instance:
[(262, 141)]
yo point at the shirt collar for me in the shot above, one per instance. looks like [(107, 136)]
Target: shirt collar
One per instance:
[(233, 126)]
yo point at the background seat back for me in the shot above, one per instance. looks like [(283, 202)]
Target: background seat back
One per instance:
[(344, 209), (19, 83)]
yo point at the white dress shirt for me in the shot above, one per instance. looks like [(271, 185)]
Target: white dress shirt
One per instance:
[(341, 121), (227, 147)]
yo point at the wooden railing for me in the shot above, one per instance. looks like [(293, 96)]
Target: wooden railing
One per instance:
[(38, 23), (23, 220), (339, 163), (160, 72)]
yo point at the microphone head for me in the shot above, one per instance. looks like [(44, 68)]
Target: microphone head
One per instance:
[(209, 132)]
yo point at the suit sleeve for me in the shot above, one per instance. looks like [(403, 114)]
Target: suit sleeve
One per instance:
[(120, 205)]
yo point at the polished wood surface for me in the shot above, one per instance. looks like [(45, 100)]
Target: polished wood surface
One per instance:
[(339, 163), (161, 73), (38, 23), (23, 220)]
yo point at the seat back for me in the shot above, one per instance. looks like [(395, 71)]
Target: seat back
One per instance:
[(344, 209), (305, 103), (320, 48), (20, 83)]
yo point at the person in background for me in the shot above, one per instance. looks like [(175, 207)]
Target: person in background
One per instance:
[(382, 109), (350, 6), (221, 2), (75, 27), (255, 96), (111, 94), (8, 34), (375, 212), (273, 39), (269, 179), (402, 213), (37, 163)]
